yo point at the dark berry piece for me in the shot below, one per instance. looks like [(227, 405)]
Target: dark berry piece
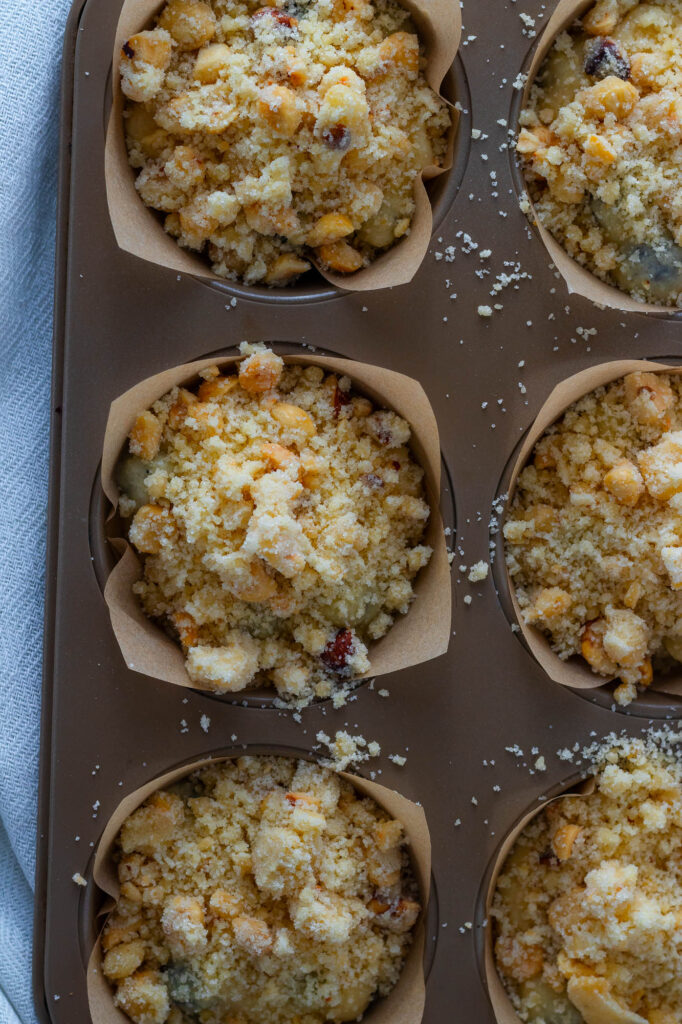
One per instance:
[(337, 137), (128, 50), (341, 398), (549, 857), (603, 58), (383, 434), (372, 481), (338, 651), (279, 18)]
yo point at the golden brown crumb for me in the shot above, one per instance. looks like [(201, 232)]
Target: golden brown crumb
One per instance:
[(258, 889), (599, 141), (281, 520), (593, 541), (271, 135)]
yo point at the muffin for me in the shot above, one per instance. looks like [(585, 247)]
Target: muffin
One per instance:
[(599, 144), (272, 135), (586, 914), (261, 889), (280, 518), (593, 534)]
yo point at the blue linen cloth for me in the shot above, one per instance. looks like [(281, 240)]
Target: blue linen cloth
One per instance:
[(30, 61)]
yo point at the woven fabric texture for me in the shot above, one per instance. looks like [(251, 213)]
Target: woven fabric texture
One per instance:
[(30, 61)]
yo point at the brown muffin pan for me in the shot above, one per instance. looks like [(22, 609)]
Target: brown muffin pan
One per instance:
[(107, 730)]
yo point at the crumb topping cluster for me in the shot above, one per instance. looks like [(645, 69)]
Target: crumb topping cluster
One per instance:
[(588, 906), (272, 134), (281, 520), (593, 536), (261, 889), (600, 141)]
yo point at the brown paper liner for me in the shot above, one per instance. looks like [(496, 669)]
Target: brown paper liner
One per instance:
[(502, 1005), (137, 229), (420, 635), (404, 1005), (579, 280), (575, 672)]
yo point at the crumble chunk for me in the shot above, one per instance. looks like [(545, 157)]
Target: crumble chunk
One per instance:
[(593, 536), (588, 904), (599, 142), (271, 135), (257, 899), (280, 518)]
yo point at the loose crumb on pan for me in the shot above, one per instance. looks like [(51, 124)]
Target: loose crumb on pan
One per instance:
[(593, 536), (261, 889), (478, 572), (271, 135), (599, 141), (281, 519), (587, 907), (346, 750)]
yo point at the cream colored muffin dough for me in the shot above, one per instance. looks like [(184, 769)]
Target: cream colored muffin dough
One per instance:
[(281, 520), (587, 914), (600, 142), (262, 889), (269, 135), (593, 536)]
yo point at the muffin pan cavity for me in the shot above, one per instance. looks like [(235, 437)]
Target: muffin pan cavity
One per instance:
[(575, 672), (269, 216), (661, 258), (407, 642), (404, 1000)]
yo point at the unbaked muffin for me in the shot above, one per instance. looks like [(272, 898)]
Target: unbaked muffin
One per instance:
[(587, 911), (593, 536), (600, 140), (271, 135), (281, 520), (262, 889)]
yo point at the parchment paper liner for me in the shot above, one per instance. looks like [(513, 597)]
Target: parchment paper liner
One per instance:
[(420, 635), (576, 672), (578, 279), (404, 1005), (502, 1005), (137, 229)]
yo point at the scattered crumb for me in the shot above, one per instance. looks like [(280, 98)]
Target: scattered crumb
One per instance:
[(478, 572), (346, 750)]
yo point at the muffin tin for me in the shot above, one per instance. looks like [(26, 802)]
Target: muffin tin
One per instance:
[(107, 730)]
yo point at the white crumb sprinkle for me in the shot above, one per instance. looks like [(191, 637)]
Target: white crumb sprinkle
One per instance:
[(478, 572)]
